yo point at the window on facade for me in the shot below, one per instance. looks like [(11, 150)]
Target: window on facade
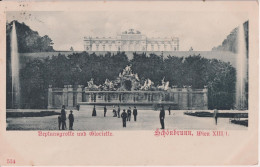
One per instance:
[(104, 47), (175, 48), (152, 47), (97, 47)]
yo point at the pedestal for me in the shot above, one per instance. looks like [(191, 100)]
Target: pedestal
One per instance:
[(184, 99), (205, 98), (65, 95), (50, 103), (79, 93), (70, 96)]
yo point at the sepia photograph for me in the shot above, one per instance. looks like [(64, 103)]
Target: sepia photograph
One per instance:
[(117, 70)]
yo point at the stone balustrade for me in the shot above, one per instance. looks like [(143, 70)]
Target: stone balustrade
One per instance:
[(182, 98)]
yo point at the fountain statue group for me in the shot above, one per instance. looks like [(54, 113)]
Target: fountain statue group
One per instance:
[(127, 76)]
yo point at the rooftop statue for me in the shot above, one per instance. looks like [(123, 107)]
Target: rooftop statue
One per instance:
[(107, 82), (108, 85), (144, 87), (91, 82), (148, 85), (91, 85), (164, 86), (136, 77), (131, 31), (127, 71)]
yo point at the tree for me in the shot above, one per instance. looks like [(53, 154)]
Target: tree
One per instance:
[(28, 40), (79, 68)]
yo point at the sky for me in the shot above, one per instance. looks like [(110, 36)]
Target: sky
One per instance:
[(199, 30)]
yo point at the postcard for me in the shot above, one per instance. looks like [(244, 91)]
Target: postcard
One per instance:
[(129, 83)]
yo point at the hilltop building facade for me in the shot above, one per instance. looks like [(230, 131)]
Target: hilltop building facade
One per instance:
[(131, 40)]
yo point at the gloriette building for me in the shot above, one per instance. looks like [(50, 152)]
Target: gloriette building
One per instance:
[(131, 40)]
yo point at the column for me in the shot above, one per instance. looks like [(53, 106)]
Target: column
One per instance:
[(90, 47), (175, 94), (87, 94), (205, 98), (160, 97), (91, 97), (79, 93), (70, 96), (184, 98), (50, 105), (95, 97), (190, 94), (87, 97), (120, 97), (65, 95), (131, 96), (146, 96), (105, 97)]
